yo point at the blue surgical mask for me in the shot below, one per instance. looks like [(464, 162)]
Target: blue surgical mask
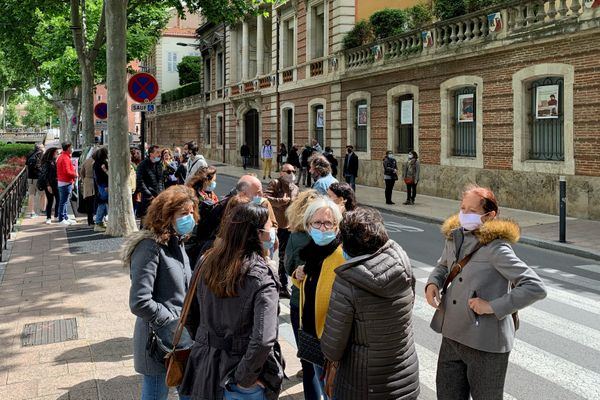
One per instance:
[(185, 225), (156, 159), (346, 256), (322, 238), (257, 200), (268, 244), (212, 186)]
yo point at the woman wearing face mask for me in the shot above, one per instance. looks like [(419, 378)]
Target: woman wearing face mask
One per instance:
[(373, 291), (233, 317), (474, 314), (342, 195), (322, 256), (390, 175), (169, 167), (411, 173), (160, 275)]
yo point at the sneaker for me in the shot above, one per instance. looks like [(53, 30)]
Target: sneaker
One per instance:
[(407, 202), (48, 221), (71, 221), (99, 228), (65, 222), (33, 215)]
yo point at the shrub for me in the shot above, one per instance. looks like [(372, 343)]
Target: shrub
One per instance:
[(476, 5), (446, 9), (16, 150), (419, 16), (389, 22), (188, 90), (361, 34), (189, 69)]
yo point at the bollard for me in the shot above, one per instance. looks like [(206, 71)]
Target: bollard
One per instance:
[(563, 210)]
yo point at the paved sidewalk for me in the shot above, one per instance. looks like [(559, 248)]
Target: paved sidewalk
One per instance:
[(583, 236), (43, 281)]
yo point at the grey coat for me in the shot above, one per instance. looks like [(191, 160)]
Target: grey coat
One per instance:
[(234, 336), (488, 275), (369, 327), (160, 276)]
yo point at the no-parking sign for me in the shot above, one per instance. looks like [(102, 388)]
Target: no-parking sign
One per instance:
[(142, 87)]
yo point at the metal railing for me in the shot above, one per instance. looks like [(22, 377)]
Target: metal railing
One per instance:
[(11, 201)]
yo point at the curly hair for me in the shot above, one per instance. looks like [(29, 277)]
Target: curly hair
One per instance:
[(344, 191), (320, 164), (159, 217), (296, 210), (362, 231), (203, 175)]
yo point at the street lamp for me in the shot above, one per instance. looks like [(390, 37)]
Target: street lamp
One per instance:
[(4, 107)]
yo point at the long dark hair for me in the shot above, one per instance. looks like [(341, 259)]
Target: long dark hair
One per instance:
[(49, 154), (222, 267), (344, 191), (101, 155)]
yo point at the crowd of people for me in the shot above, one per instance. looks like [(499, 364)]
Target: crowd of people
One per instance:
[(351, 288)]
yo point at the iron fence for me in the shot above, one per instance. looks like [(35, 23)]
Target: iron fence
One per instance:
[(11, 201)]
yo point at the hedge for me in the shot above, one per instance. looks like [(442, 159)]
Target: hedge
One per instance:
[(14, 150), (188, 90)]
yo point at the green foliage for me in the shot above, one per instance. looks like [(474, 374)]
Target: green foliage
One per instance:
[(39, 112), (361, 34), (188, 90), (419, 16), (476, 5), (15, 149), (189, 69), (446, 9), (389, 22), (12, 117), (230, 12)]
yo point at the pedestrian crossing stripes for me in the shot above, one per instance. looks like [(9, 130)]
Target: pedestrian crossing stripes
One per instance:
[(550, 369)]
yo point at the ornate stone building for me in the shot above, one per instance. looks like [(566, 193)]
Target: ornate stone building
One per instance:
[(506, 97)]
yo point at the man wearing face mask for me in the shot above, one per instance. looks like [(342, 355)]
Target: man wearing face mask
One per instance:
[(149, 179), (281, 193), (351, 167)]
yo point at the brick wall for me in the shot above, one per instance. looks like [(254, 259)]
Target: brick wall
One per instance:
[(178, 128)]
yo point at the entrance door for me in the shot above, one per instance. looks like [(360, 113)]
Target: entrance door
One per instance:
[(251, 136), (290, 128)]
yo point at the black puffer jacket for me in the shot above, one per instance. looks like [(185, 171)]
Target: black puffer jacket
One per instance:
[(149, 178), (369, 327)]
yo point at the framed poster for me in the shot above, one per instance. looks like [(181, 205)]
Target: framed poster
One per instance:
[(362, 115), (592, 3), (406, 112), (466, 107), (546, 101), (320, 118)]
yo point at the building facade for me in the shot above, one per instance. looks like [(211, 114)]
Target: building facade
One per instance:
[(506, 97)]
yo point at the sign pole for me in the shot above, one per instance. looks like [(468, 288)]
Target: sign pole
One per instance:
[(143, 135)]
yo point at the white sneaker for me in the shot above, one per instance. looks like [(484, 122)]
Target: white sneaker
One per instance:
[(65, 222), (72, 221), (48, 221)]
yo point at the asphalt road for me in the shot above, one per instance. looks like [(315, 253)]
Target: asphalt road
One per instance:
[(557, 351)]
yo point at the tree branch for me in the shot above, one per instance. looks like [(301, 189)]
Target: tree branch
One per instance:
[(100, 34), (77, 30)]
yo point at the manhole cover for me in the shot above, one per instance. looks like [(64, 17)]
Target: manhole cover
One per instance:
[(60, 330)]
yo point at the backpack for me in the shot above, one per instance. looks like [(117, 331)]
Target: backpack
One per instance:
[(42, 178), (33, 165)]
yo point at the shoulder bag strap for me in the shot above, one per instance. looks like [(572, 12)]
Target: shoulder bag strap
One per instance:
[(457, 267), (189, 296)]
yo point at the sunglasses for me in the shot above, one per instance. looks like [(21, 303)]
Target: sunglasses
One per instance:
[(289, 172)]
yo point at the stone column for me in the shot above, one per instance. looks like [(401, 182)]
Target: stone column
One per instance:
[(245, 53), (260, 44)]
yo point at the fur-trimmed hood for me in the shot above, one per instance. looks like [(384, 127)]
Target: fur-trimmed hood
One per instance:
[(133, 240), (488, 232)]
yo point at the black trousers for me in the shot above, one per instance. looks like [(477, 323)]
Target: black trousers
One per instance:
[(389, 188), (89, 209), (462, 370), (411, 192), (283, 235), (50, 198)]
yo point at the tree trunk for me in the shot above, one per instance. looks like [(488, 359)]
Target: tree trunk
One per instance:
[(121, 220), (87, 104)]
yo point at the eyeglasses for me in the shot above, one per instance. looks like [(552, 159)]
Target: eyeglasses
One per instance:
[(289, 171), (318, 224)]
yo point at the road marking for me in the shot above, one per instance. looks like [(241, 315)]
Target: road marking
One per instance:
[(590, 268), (555, 369), (395, 227)]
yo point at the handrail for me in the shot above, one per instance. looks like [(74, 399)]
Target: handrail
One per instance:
[(11, 200)]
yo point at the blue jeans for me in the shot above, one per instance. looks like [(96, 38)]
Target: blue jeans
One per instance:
[(318, 373), (351, 180), (155, 388), (64, 193), (239, 393), (101, 212)]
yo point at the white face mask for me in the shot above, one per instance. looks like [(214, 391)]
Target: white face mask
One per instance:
[(470, 221), (410, 156)]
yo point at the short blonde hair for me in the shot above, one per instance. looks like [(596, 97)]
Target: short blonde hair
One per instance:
[(296, 210), (320, 203)]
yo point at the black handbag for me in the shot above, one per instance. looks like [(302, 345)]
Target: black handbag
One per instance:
[(161, 340), (309, 348)]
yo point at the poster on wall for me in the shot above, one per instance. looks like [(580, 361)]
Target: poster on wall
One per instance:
[(320, 118), (465, 107), (406, 112), (362, 115), (546, 101), (495, 22)]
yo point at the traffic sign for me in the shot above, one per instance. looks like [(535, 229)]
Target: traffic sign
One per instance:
[(146, 107), (143, 87), (101, 110), (101, 125), (74, 120)]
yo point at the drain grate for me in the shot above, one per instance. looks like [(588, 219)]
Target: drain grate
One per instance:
[(47, 332)]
